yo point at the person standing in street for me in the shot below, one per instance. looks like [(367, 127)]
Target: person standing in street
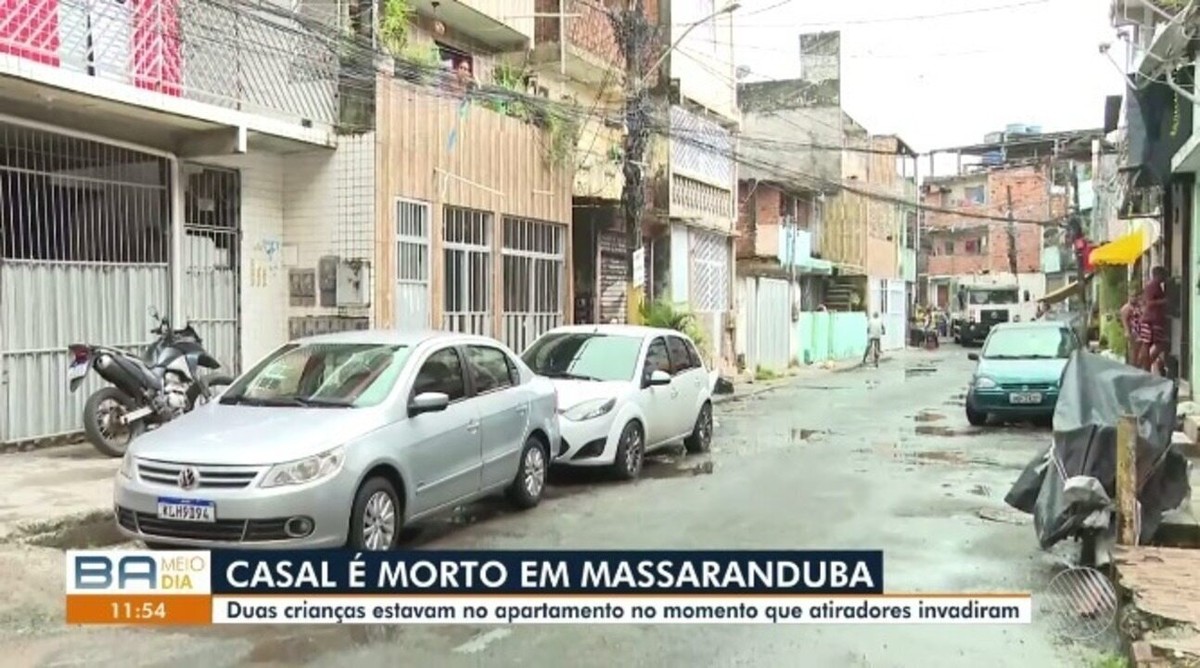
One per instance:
[(1152, 330), (1131, 314), (875, 332)]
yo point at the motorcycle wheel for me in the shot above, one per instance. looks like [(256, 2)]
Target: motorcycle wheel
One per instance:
[(213, 382), (100, 421)]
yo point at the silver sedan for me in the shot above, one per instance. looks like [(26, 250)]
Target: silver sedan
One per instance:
[(342, 440)]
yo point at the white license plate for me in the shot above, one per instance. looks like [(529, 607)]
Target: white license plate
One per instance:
[(186, 510), (1025, 398), (77, 370)]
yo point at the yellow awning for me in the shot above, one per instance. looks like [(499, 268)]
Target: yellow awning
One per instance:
[(1122, 251)]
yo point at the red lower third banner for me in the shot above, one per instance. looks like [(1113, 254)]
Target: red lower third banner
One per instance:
[(139, 609)]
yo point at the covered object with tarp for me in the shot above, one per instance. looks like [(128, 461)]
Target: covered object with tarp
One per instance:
[(1072, 483)]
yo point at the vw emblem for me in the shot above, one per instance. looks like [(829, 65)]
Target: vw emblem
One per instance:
[(189, 478)]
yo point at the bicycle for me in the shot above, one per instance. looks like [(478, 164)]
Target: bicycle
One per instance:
[(874, 354)]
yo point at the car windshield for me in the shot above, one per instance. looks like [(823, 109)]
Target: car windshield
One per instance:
[(1029, 343), (981, 297), (584, 356), (321, 375)]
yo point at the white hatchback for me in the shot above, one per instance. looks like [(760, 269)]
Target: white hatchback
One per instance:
[(624, 391)]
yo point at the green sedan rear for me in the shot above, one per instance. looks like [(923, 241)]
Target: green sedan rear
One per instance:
[(1019, 371)]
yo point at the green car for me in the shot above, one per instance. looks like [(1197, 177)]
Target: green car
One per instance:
[(1019, 371)]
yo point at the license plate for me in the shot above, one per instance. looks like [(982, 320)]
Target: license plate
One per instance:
[(186, 510), (77, 370), (1025, 398)]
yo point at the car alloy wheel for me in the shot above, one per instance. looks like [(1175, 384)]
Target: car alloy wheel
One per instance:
[(535, 472), (633, 451), (379, 522)]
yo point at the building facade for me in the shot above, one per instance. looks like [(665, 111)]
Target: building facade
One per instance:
[(212, 159), (143, 167)]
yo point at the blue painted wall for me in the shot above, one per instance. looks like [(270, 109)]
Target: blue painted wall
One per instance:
[(831, 336)]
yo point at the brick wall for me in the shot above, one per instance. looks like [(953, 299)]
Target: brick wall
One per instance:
[(590, 30), (1031, 201), (758, 209)]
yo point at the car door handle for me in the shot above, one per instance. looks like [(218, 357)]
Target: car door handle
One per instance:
[(473, 426), (674, 393)]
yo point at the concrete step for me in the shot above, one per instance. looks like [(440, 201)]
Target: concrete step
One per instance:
[(1181, 528)]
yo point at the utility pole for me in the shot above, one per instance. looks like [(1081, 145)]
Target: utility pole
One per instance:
[(1079, 242), (1012, 246), (634, 33)]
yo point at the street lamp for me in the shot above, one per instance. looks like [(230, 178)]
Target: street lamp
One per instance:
[(727, 9)]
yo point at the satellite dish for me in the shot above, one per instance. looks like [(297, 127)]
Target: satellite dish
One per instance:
[(742, 72)]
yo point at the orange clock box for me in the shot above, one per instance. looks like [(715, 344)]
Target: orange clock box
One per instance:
[(139, 609)]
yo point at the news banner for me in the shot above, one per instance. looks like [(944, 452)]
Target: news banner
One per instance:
[(508, 587)]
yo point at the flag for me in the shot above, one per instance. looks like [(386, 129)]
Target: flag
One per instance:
[(458, 121)]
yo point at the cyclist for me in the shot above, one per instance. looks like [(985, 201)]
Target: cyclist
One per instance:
[(875, 332)]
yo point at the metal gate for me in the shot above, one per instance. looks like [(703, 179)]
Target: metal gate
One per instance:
[(84, 247), (467, 253), (534, 261), (412, 265), (212, 259), (766, 303)]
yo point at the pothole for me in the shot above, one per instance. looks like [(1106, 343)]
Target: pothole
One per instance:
[(942, 430), (913, 371), (96, 529), (928, 416)]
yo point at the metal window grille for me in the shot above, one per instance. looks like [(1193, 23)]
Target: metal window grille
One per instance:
[(412, 265), (534, 286), (710, 272), (84, 250), (467, 271)]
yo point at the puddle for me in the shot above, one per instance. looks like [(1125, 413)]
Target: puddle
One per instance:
[(928, 416), (981, 490), (676, 469), (80, 533), (942, 430), (914, 371), (1005, 515)]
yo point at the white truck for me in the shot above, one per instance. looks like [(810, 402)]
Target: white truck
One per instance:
[(977, 308)]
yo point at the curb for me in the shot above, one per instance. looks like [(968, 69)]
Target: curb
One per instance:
[(755, 391)]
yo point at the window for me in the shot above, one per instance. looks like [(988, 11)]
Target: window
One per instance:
[(491, 369), (322, 374), (948, 248), (1030, 343), (584, 356), (694, 356), (454, 59), (442, 372), (975, 194), (657, 358), (680, 360)]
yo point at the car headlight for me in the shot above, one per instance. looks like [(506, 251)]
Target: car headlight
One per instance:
[(126, 470), (306, 470), (589, 410), (984, 383)]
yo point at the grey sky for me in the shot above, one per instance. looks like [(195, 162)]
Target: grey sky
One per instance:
[(947, 80)]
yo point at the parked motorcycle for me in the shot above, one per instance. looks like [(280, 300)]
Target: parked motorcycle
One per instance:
[(146, 391)]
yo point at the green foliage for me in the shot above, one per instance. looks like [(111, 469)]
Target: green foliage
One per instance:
[(394, 24), (423, 60), (668, 315), (763, 374), (563, 129)]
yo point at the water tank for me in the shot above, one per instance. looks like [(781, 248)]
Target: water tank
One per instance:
[(1034, 129), (1014, 128)]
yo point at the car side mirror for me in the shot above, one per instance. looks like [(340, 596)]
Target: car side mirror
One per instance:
[(974, 357), (428, 402), (659, 377)]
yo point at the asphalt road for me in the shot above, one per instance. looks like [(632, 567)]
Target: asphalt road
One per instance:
[(870, 458)]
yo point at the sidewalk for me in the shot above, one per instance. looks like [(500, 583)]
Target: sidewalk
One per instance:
[(750, 388)]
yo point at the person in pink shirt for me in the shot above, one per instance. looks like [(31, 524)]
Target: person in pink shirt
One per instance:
[(1153, 323)]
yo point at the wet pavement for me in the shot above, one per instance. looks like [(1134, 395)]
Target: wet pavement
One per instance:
[(870, 458)]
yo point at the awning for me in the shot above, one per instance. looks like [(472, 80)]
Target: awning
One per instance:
[(1065, 292), (812, 265), (1125, 250)]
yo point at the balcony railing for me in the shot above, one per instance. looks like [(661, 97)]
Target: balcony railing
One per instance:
[(238, 54)]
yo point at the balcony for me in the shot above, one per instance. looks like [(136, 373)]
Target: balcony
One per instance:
[(582, 47), (502, 25), (794, 249), (170, 65)]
